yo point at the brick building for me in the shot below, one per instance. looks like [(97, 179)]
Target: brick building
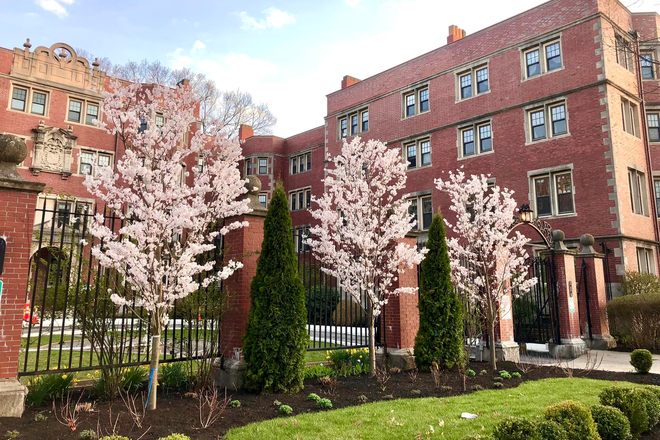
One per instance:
[(547, 102)]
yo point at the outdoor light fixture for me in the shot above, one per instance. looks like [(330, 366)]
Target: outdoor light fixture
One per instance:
[(526, 214)]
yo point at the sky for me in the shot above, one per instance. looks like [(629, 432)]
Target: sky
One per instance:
[(287, 53)]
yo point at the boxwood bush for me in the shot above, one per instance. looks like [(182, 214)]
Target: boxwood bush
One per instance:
[(515, 428), (635, 320), (642, 360), (640, 406), (612, 423), (549, 430), (575, 418)]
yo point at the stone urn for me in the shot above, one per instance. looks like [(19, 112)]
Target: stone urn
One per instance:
[(12, 152)]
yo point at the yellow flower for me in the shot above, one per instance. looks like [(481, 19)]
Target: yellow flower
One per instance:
[(327, 357), (64, 376), (360, 356)]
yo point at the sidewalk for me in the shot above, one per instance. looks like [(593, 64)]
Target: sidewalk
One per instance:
[(609, 361)]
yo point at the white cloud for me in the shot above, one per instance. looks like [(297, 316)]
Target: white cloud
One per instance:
[(55, 7), (353, 3), (178, 60), (275, 18), (198, 46)]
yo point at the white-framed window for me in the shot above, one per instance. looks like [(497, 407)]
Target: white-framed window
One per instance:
[(263, 199), (421, 208), (353, 123), (81, 111), (416, 101), (88, 159), (638, 195), (630, 117), (417, 153), (29, 100), (300, 199), (300, 234), (648, 65), (552, 193), (91, 114), (542, 58), (201, 161), (475, 139), (263, 165), (300, 163), (473, 82), (645, 260), (547, 121), (624, 52), (653, 123), (656, 187)]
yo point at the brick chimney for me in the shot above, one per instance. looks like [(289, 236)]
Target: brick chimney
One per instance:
[(348, 81), (183, 82), (455, 34), (244, 132)]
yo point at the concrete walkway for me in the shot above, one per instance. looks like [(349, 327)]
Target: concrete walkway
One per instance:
[(603, 360)]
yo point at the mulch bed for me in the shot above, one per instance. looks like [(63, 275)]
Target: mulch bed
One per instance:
[(179, 414)]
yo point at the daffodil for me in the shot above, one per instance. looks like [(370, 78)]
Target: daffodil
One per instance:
[(64, 376)]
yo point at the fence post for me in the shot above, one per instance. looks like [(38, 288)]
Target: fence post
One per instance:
[(244, 245), (595, 283), (506, 348), (17, 203), (401, 318), (571, 344)]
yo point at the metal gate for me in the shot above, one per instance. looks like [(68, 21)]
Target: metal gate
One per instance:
[(536, 313)]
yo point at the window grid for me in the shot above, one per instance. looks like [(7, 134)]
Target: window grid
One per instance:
[(75, 109), (417, 154), (421, 210), (38, 103), (482, 80), (533, 63), (647, 66), (553, 194), (354, 125), (485, 138), (637, 186), (558, 114), (344, 128), (19, 97), (92, 113), (263, 165), (426, 152), (411, 155), (410, 104), (542, 58), (656, 185), (86, 162), (468, 142), (424, 100), (538, 125), (301, 199), (365, 121), (654, 126), (262, 200), (466, 86)]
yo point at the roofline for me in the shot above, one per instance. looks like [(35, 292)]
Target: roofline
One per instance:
[(306, 131)]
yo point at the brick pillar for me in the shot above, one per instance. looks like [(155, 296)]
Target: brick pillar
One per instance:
[(18, 200), (506, 349), (596, 289), (571, 344), (401, 318)]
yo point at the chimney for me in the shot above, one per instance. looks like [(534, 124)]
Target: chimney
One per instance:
[(244, 132), (183, 82), (455, 34), (348, 81)]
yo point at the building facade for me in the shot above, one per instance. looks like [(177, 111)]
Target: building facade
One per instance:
[(560, 103)]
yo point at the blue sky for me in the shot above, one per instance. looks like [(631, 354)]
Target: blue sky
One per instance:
[(289, 54)]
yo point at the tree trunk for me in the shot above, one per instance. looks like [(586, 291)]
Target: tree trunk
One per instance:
[(155, 355), (372, 344), (491, 342)]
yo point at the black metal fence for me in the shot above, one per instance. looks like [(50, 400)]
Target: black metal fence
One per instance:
[(72, 325)]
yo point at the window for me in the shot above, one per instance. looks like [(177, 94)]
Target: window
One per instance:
[(301, 199), (476, 139), (19, 97), (63, 212), (263, 165), (300, 233), (645, 263), (200, 164), (656, 185), (300, 163), (344, 127), (638, 196), (75, 109), (555, 113), (624, 53), (542, 58), (553, 193), (482, 80), (104, 160), (83, 212), (365, 121), (466, 86), (92, 113), (467, 80), (418, 153), (630, 117), (248, 169), (160, 121), (262, 199), (424, 218), (416, 101), (354, 125), (143, 125), (86, 162), (647, 66), (654, 126), (38, 103)]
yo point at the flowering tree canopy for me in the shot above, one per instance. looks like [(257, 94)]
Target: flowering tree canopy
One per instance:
[(487, 259), (362, 220), (168, 217)]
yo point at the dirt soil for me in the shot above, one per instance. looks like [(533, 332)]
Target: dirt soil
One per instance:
[(178, 413)]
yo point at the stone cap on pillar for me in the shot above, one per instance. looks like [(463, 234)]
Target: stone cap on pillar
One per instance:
[(12, 152), (587, 241), (558, 237), (253, 185)]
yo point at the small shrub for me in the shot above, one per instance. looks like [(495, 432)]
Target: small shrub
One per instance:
[(505, 374), (324, 403), (612, 423), (632, 405), (318, 371), (235, 404), (470, 373), (175, 437), (133, 378), (477, 387), (642, 360), (514, 428), (276, 402), (549, 430), (286, 409), (483, 373), (314, 397), (575, 418), (40, 417), (174, 376), (516, 375), (350, 362), (88, 434), (48, 387), (651, 403), (12, 434), (636, 283), (498, 385)]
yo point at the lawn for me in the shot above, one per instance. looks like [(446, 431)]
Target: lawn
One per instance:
[(410, 418)]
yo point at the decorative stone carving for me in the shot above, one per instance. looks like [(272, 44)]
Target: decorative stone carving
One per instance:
[(53, 149), (12, 152), (253, 185)]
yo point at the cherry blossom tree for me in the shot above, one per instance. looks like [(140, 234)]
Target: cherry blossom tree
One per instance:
[(168, 214), (362, 219), (486, 259)]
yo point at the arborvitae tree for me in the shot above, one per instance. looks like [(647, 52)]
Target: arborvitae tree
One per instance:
[(276, 339), (440, 334)]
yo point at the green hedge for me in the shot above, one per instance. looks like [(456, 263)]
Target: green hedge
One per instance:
[(635, 320)]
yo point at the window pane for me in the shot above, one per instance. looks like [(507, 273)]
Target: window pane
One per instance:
[(354, 124), (656, 183), (411, 154), (38, 103), (538, 125), (426, 152), (485, 141), (542, 193), (75, 108), (533, 64), (410, 105), (262, 199), (143, 125), (301, 200), (263, 166), (344, 128), (293, 201), (301, 164), (412, 210), (104, 160), (466, 86), (427, 212), (309, 161), (647, 66), (365, 121), (93, 113), (308, 198), (553, 56), (160, 120), (18, 99), (654, 126), (294, 165), (482, 80), (468, 142), (86, 161), (424, 100), (558, 119), (564, 193)]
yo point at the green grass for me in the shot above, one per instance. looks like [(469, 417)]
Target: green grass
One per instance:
[(407, 418)]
